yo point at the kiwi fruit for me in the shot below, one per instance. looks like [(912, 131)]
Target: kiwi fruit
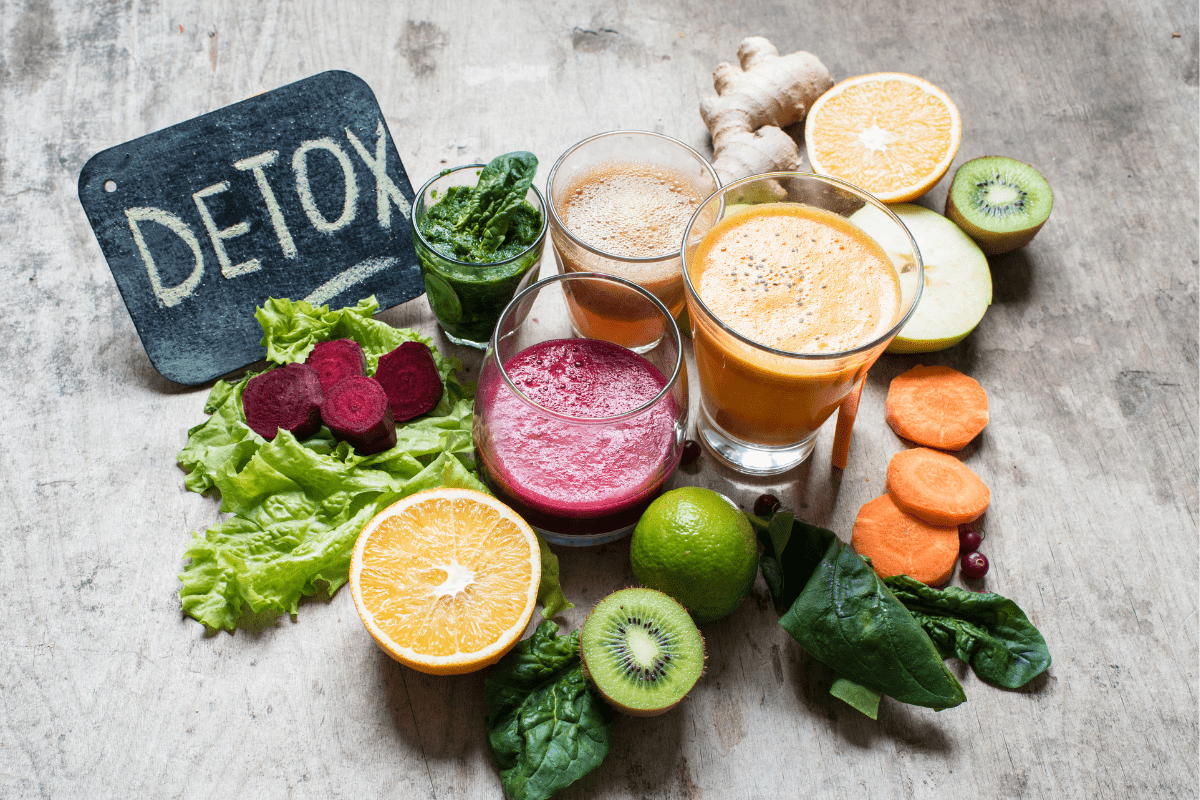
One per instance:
[(999, 202), (641, 651)]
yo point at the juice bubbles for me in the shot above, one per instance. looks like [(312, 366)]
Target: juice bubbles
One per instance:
[(790, 305), (581, 463), (620, 203)]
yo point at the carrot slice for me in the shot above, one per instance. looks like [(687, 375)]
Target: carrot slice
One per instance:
[(936, 487), (900, 544), (937, 407), (847, 411)]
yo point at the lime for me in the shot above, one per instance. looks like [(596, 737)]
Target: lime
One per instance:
[(697, 547)]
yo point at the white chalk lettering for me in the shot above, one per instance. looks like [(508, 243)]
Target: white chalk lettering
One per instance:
[(350, 199), (344, 280), (167, 295), (385, 188), (218, 236), (255, 164)]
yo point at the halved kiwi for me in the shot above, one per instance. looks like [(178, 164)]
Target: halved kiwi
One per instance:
[(641, 651), (999, 202)]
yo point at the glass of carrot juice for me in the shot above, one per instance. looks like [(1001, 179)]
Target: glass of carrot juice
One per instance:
[(619, 202), (790, 303)]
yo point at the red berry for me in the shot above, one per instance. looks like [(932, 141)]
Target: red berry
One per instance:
[(974, 565), (691, 453), (969, 541), (766, 505)]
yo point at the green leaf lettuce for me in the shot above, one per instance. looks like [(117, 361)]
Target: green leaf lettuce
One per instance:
[(297, 507)]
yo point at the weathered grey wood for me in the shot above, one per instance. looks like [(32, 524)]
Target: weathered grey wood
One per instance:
[(1089, 354)]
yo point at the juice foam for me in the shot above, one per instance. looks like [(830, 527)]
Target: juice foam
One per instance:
[(588, 465), (798, 279), (629, 209)]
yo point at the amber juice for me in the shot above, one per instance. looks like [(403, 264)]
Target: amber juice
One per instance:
[(621, 204), (792, 279)]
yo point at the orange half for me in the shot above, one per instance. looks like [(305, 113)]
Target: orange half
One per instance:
[(445, 580), (892, 134)]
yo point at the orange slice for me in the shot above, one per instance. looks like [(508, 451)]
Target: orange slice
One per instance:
[(445, 580), (893, 135)]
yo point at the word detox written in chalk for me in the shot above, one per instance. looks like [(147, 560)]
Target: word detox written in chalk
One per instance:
[(295, 193)]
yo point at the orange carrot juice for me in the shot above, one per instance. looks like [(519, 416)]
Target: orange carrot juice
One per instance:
[(637, 212), (796, 281)]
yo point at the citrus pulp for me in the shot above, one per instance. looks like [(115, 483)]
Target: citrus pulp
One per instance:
[(892, 134), (445, 580)]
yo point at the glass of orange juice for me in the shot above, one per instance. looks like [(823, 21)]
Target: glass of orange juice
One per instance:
[(619, 203), (790, 303)]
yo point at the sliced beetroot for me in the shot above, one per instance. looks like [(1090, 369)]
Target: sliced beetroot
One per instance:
[(287, 398), (356, 411), (411, 381), (337, 360)]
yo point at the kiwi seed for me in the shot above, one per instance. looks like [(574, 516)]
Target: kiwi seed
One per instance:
[(999, 202), (641, 651)]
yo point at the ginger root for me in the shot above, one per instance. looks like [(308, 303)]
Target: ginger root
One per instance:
[(753, 105)]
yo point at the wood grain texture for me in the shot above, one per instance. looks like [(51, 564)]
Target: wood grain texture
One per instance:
[(1089, 355)]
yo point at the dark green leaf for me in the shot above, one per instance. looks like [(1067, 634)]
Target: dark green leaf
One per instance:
[(988, 631), (848, 619), (546, 727), (502, 188), (792, 550)]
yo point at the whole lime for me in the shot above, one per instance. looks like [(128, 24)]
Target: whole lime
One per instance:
[(697, 547)]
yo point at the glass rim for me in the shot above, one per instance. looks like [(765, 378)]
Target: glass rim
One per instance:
[(862, 348), (562, 277), (560, 225), (541, 237)]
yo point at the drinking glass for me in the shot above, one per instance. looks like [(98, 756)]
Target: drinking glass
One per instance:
[(467, 298), (658, 273), (578, 480), (761, 407)]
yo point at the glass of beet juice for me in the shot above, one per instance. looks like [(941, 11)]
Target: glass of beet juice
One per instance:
[(468, 296), (579, 434)]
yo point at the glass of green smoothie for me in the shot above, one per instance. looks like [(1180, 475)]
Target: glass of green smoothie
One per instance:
[(479, 231)]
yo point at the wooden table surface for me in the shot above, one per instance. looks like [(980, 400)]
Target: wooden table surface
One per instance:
[(1088, 353)]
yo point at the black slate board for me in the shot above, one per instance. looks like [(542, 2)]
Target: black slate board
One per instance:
[(196, 317)]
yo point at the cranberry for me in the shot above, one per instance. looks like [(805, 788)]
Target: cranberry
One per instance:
[(766, 505), (691, 453), (974, 565), (969, 541)]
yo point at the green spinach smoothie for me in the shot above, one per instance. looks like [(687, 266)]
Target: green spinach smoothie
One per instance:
[(478, 243)]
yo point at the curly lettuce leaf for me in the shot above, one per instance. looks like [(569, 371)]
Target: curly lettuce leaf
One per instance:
[(546, 727), (550, 593), (298, 506)]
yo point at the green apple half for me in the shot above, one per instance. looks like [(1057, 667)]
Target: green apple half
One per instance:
[(958, 283)]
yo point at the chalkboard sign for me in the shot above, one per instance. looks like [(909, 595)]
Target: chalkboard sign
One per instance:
[(295, 193)]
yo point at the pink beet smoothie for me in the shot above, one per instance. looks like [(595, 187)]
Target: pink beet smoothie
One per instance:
[(561, 471)]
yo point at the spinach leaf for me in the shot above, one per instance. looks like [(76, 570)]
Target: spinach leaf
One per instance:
[(791, 551), (503, 185), (546, 727), (988, 631), (860, 697), (846, 617)]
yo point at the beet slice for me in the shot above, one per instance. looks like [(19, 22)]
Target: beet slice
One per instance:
[(336, 360), (356, 411), (288, 398), (410, 378)]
